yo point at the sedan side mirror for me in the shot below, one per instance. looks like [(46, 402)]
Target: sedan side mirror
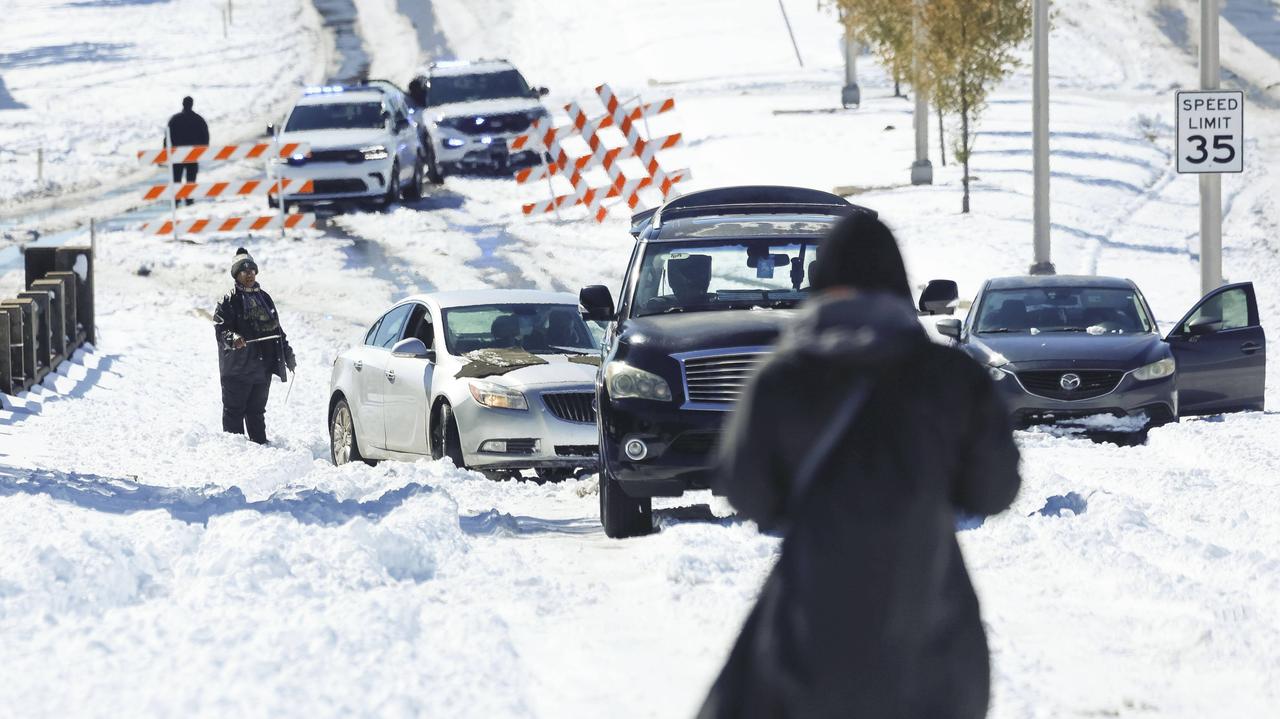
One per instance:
[(413, 348), (1204, 326), (949, 328), (940, 297), (596, 303)]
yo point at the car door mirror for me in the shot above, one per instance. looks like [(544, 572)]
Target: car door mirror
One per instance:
[(413, 348), (596, 303), (401, 124), (1204, 326), (540, 92), (949, 328), (940, 297)]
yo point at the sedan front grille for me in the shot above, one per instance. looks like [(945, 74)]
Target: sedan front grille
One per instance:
[(1049, 383), (719, 379), (572, 406)]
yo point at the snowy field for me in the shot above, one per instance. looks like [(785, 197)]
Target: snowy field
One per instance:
[(151, 565)]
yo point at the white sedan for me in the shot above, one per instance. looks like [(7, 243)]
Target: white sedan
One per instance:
[(495, 380)]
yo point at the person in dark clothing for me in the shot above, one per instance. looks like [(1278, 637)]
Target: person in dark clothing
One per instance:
[(869, 611), (187, 128), (252, 347)]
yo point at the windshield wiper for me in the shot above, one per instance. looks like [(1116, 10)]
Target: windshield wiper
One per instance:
[(998, 330), (573, 350)]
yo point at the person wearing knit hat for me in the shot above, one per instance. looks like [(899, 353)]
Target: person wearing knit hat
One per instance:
[(252, 347), (861, 440)]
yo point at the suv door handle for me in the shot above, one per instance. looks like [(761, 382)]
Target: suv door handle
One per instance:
[(1250, 347), (391, 375), (358, 364)]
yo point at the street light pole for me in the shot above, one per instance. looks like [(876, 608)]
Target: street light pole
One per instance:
[(851, 95), (1210, 183), (1042, 264), (921, 169)]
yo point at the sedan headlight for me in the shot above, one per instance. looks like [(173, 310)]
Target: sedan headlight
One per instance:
[(1156, 370), (495, 395), (625, 381), (374, 152)]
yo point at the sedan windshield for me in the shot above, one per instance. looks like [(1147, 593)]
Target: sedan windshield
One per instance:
[(723, 275), (1093, 310), (541, 329), (483, 86), (336, 116)]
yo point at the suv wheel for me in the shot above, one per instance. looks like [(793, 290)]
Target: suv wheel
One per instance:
[(434, 175), (393, 185), (418, 185), (621, 515)]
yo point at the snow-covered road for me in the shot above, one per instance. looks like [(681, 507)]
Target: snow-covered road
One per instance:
[(150, 564)]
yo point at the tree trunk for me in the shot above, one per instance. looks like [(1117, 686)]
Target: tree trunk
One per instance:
[(897, 88), (942, 139), (965, 144)]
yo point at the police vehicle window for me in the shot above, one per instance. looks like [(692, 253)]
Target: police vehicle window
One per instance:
[(1228, 311), (538, 328), (481, 86), (334, 116), (1091, 310), (722, 275), (392, 328)]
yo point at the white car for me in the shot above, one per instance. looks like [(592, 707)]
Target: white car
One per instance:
[(471, 110), (496, 380), (365, 145)]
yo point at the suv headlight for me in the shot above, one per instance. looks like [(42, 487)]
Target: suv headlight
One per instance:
[(625, 381), (495, 395), (1156, 370), (374, 152)]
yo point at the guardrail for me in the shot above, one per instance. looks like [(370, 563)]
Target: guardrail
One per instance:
[(45, 324)]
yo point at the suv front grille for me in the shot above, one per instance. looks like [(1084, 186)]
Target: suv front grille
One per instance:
[(572, 406), (495, 124), (1048, 383), (719, 378), (351, 156), (350, 184)]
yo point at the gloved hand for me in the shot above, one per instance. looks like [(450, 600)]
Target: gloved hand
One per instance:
[(291, 363), (233, 341)]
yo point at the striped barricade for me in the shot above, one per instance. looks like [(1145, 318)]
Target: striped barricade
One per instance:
[(226, 153), (214, 190), (579, 170), (231, 224)]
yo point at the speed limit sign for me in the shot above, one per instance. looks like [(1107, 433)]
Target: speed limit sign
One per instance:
[(1210, 131)]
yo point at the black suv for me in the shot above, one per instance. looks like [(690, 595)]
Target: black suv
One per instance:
[(713, 277)]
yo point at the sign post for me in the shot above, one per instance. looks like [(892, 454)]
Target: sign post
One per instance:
[(1210, 141)]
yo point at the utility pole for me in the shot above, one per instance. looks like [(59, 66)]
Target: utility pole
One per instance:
[(1210, 183), (851, 95), (921, 169), (1041, 265)]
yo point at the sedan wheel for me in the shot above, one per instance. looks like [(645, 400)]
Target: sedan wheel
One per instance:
[(445, 440)]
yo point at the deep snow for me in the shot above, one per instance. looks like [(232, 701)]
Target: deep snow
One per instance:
[(150, 564)]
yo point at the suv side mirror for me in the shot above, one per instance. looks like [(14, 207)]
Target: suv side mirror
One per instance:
[(1204, 326), (414, 348), (540, 92), (940, 297), (949, 328), (596, 303)]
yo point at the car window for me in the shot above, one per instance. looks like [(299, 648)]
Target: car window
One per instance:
[(335, 116), (538, 328), (419, 325), (373, 332), (481, 86), (1092, 310), (392, 328), (1228, 310), (722, 275)]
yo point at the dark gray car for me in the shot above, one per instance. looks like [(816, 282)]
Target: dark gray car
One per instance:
[(1064, 347)]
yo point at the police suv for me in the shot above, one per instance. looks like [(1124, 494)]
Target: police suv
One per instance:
[(471, 110), (365, 145)]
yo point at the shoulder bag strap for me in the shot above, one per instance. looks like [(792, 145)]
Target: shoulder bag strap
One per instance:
[(846, 412)]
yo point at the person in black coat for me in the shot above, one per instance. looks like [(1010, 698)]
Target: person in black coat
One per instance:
[(869, 611), (185, 129), (252, 347)]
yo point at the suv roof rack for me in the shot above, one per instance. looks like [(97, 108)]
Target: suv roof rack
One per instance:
[(747, 199)]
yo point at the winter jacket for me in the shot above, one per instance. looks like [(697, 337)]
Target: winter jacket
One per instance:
[(249, 314), (869, 611), (188, 128)]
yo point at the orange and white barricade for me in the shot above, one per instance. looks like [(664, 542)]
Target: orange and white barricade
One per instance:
[(583, 171), (232, 224), (226, 153)]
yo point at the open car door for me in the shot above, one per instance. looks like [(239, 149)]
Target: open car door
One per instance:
[(1221, 353)]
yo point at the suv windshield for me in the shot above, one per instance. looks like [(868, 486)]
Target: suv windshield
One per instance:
[(541, 329), (336, 116), (484, 86), (722, 275), (1095, 310)]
